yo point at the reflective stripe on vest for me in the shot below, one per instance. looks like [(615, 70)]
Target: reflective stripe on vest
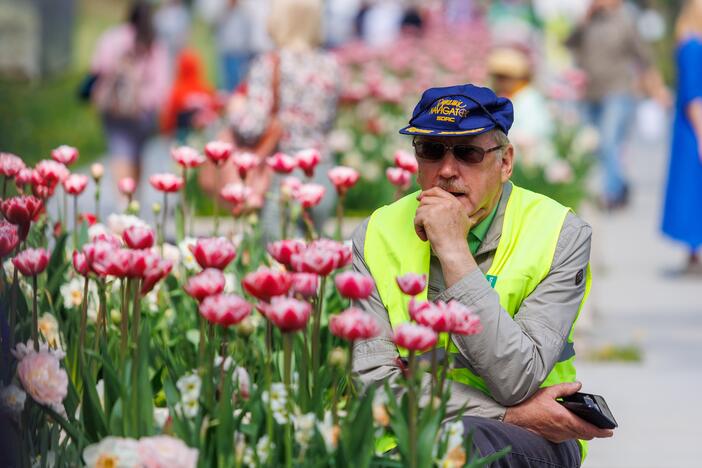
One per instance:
[(530, 231)]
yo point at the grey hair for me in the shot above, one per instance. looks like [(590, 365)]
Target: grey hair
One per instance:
[(500, 137)]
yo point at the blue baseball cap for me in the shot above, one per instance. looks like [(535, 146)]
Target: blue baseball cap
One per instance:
[(459, 111)]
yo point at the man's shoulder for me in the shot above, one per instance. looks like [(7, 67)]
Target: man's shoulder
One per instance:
[(358, 236)]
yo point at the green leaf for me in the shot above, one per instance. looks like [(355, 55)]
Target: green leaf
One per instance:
[(91, 411)]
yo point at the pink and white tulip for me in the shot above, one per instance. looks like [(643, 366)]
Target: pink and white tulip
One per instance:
[(224, 310), (265, 283), (354, 285), (75, 184), (9, 238), (283, 250), (187, 157), (305, 284), (31, 262), (343, 178), (309, 195), (218, 151), (213, 252), (65, 154), (412, 283), (282, 163), (138, 237), (208, 283), (127, 186), (414, 337), (406, 161), (166, 182), (399, 177), (288, 314), (307, 160), (354, 324)]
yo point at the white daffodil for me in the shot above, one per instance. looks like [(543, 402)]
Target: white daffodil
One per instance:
[(12, 399), (116, 452), (189, 386)]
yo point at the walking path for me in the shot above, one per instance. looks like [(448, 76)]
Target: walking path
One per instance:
[(638, 299)]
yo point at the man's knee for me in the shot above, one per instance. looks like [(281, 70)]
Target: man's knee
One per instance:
[(526, 448)]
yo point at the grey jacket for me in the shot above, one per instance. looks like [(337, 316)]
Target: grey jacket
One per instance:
[(513, 356)]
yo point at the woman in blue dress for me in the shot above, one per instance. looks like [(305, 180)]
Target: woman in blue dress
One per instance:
[(682, 215)]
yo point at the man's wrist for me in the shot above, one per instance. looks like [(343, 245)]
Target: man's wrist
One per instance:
[(456, 263)]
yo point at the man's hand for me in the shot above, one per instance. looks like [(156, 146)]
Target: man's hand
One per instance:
[(442, 220), (546, 417)]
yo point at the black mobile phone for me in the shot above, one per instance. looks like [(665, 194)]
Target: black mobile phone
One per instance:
[(592, 408)]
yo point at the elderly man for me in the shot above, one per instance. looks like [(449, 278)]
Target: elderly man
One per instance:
[(517, 258)]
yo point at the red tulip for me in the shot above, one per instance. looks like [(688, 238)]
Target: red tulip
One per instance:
[(218, 151), (98, 256), (10, 164), (245, 162), (235, 193), (213, 252), (465, 322), (288, 314), (21, 210), (412, 283), (75, 184), (24, 176), (224, 310), (138, 237), (141, 262), (354, 324), (50, 173), (118, 263), (309, 195), (307, 160), (435, 316), (314, 260), (155, 273), (342, 252), (43, 192), (414, 337), (187, 156), (282, 163), (207, 283), (127, 186), (80, 263), (283, 250), (399, 177), (31, 262), (265, 283), (166, 182), (89, 218), (343, 178), (64, 154), (406, 161), (9, 238), (305, 284), (354, 285)]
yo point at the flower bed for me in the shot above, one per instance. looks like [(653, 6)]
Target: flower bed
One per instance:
[(130, 351)]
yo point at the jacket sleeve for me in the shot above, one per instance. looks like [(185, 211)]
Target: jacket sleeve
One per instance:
[(375, 360), (514, 356)]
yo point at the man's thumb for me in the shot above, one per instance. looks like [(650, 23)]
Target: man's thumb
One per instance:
[(564, 389)]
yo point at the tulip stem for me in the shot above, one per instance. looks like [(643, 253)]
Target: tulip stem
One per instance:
[(287, 361), (201, 344), (97, 199), (75, 222), (267, 375), (412, 404), (316, 325), (13, 305), (223, 352), (183, 202), (349, 373), (124, 322), (309, 224), (163, 220), (136, 317), (340, 214), (216, 204), (445, 366), (434, 380), (64, 215), (35, 320), (83, 316)]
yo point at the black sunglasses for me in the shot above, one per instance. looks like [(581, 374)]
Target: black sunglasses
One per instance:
[(433, 151)]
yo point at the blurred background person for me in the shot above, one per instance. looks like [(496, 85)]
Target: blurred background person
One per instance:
[(172, 22), (682, 211), (192, 102), (133, 79), (608, 47), (308, 92), (233, 30), (511, 75)]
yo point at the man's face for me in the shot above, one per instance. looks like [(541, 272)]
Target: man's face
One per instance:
[(475, 185)]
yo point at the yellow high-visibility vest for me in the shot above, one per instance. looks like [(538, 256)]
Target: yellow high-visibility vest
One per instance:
[(530, 231)]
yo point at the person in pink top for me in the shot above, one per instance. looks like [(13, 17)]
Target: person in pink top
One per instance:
[(132, 84)]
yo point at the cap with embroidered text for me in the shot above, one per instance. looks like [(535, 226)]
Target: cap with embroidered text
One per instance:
[(461, 110)]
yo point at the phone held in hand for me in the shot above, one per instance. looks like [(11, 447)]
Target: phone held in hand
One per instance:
[(591, 408)]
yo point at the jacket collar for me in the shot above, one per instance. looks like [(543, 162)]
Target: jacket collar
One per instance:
[(492, 237)]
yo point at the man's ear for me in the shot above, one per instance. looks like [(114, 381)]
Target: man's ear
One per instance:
[(507, 163)]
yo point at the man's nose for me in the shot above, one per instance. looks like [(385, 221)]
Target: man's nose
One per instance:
[(449, 166)]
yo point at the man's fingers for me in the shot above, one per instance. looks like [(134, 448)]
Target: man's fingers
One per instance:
[(433, 192), (419, 226), (585, 430), (564, 389)]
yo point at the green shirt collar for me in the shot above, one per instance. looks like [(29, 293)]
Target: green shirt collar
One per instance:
[(477, 233)]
